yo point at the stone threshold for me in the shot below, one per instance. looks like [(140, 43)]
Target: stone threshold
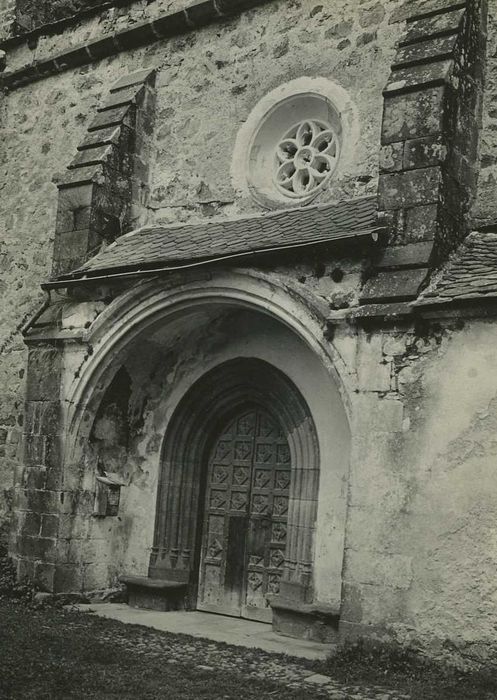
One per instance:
[(217, 628)]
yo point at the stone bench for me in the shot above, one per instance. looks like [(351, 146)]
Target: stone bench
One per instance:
[(154, 593)]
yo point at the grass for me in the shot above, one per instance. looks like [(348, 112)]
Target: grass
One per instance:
[(50, 653), (409, 671)]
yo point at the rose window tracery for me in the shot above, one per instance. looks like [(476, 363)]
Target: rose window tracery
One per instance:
[(305, 158)]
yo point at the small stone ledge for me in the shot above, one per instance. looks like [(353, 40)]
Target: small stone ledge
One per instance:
[(442, 24), (394, 285), (421, 9), (433, 49), (405, 256), (430, 73), (81, 176), (313, 621), (392, 311), (195, 16)]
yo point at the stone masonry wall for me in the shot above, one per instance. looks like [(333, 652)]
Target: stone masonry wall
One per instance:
[(484, 207), (7, 17), (420, 551), (232, 65)]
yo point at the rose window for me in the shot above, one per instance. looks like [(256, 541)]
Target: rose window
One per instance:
[(305, 158)]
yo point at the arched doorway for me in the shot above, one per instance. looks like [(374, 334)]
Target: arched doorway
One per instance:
[(245, 516), (238, 491)]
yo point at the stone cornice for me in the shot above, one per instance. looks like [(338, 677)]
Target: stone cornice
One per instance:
[(27, 36), (163, 27)]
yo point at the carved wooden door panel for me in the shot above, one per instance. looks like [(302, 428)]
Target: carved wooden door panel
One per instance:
[(245, 520)]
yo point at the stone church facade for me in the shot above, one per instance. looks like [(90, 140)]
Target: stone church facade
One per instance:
[(249, 270)]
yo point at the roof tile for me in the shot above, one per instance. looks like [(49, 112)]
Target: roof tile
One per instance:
[(471, 272), (176, 245)]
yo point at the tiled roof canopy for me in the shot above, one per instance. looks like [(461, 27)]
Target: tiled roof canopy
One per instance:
[(471, 274), (170, 247)]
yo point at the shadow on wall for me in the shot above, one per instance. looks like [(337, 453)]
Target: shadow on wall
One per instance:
[(110, 434)]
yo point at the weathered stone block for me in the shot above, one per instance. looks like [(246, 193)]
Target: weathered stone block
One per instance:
[(25, 570), (102, 48), (44, 366), (423, 51), (85, 550), (170, 25), (415, 9), (107, 154), (410, 255), (85, 502), (42, 451), (135, 78), (201, 13), (44, 575), (29, 523), (68, 578), (36, 547), (102, 137), (49, 525), (135, 36), (111, 117), (304, 622), (424, 152), (34, 477), (421, 223), (42, 417), (126, 96), (443, 23), (73, 526), (394, 285), (392, 157), (72, 245), (409, 188), (412, 115), (73, 205), (407, 79), (39, 501)]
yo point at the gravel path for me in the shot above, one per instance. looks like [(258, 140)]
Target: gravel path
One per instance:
[(213, 656)]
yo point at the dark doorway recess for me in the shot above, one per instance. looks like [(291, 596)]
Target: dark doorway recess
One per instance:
[(246, 516), (238, 488)]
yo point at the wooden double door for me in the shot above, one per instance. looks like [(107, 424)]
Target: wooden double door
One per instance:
[(245, 517)]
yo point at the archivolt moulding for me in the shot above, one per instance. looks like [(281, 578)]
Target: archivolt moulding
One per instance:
[(145, 305)]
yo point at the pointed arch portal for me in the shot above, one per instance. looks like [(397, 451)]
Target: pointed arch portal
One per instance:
[(238, 492)]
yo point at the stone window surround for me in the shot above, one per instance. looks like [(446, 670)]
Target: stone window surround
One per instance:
[(328, 102)]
